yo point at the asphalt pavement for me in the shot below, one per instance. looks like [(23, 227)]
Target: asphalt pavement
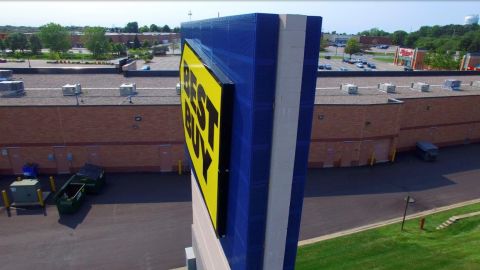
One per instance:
[(142, 221)]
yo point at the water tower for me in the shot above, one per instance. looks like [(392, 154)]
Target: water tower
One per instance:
[(471, 19)]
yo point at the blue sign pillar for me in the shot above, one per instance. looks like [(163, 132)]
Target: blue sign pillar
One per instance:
[(271, 61)]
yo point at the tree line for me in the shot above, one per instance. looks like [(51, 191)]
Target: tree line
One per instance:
[(56, 38)]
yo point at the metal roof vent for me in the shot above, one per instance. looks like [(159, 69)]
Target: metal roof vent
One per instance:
[(351, 89), (71, 89), (475, 84), (387, 87), (420, 86), (178, 88), (11, 89), (5, 75), (128, 89), (451, 84)]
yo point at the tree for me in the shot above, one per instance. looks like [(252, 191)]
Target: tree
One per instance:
[(96, 41), (55, 37), (374, 32), (17, 41), (144, 29), (352, 47), (166, 29), (154, 28), (119, 48), (441, 61), (131, 27), (136, 42), (323, 43), (35, 44), (398, 37), (145, 44), (3, 46), (176, 29)]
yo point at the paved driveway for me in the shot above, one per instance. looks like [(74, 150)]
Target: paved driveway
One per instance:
[(142, 221)]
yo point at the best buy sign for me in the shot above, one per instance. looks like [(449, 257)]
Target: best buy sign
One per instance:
[(206, 109)]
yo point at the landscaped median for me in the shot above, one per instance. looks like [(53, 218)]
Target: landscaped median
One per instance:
[(387, 247)]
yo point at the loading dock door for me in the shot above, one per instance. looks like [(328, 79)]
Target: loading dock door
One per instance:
[(63, 165), (382, 150), (330, 158), (93, 155), (349, 153), (165, 152), (16, 160)]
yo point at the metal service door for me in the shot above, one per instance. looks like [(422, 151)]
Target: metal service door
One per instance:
[(330, 157), (63, 165), (16, 160), (93, 156), (382, 150), (165, 152), (349, 153)]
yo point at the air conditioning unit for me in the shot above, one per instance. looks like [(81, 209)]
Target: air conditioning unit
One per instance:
[(25, 191), (72, 89), (387, 87), (178, 88), (450, 84), (128, 89), (475, 84), (11, 89), (420, 86), (5, 75), (351, 89)]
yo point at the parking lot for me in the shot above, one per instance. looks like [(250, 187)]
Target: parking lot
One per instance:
[(338, 52), (142, 220)]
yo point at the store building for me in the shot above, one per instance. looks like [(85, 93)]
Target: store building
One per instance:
[(410, 58)]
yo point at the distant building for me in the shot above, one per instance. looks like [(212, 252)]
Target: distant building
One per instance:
[(3, 36), (373, 41), (338, 39), (411, 58), (470, 61)]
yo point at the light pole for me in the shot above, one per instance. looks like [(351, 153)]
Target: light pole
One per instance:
[(190, 14)]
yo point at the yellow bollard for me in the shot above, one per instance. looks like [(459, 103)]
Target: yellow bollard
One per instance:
[(372, 159), (19, 178), (393, 154), (179, 167), (52, 184), (40, 197), (6, 201)]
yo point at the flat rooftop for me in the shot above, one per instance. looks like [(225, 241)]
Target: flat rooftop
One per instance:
[(102, 89)]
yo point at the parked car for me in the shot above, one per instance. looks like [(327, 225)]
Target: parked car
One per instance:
[(3, 60), (146, 67), (382, 46), (345, 60), (364, 61), (367, 69), (321, 66), (359, 65), (343, 69), (371, 65), (476, 68), (328, 57), (329, 67), (352, 61)]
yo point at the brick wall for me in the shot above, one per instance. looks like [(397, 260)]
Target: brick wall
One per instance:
[(108, 135), (342, 135)]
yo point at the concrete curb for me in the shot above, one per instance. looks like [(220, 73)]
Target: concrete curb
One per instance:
[(385, 223)]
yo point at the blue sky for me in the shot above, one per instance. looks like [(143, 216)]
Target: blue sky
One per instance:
[(341, 16)]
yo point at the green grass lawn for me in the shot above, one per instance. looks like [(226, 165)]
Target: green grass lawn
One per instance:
[(456, 247), (384, 59)]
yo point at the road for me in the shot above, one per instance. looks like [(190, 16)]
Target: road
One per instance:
[(142, 221)]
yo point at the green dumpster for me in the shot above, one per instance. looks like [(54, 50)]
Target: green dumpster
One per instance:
[(70, 197), (92, 176)]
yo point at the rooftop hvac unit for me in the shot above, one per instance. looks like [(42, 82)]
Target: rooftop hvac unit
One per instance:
[(11, 89), (387, 87), (351, 89), (128, 89), (178, 88), (420, 86), (454, 85), (475, 84), (72, 89), (5, 75)]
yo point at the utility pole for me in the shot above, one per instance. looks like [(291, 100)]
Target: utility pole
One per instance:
[(190, 14)]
